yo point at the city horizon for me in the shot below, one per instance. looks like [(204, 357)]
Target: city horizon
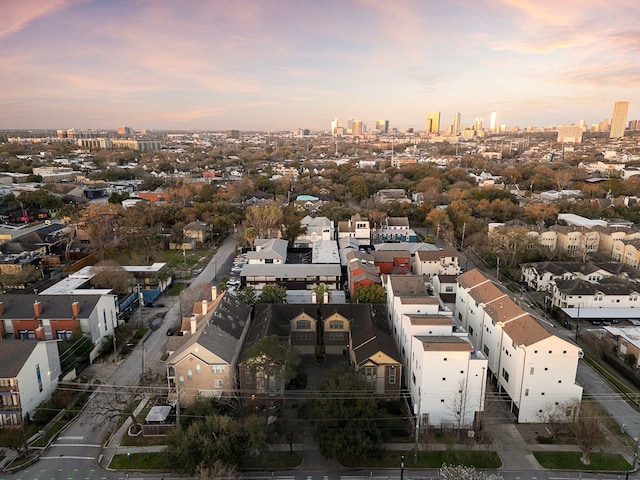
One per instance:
[(286, 66)]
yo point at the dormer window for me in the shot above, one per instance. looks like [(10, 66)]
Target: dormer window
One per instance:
[(336, 325), (303, 324)]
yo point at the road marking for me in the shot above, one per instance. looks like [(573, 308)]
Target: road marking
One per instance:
[(71, 437)]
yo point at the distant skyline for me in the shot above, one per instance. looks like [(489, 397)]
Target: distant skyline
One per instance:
[(287, 64)]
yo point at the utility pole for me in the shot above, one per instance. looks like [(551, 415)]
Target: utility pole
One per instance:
[(417, 432), (143, 359), (140, 304), (577, 322), (178, 408), (115, 350)]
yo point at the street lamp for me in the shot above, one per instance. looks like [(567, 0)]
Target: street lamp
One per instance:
[(402, 467), (578, 322)]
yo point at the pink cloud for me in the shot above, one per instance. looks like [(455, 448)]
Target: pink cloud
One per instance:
[(17, 15)]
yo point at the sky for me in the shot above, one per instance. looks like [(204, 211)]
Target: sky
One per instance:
[(287, 64)]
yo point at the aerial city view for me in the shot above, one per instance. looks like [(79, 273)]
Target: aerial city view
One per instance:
[(329, 240)]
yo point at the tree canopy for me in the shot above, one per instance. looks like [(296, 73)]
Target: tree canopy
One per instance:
[(343, 417), (273, 294)]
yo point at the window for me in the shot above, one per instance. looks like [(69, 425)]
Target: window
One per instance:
[(486, 350), (303, 336), (336, 324), (190, 374), (219, 383), (197, 369), (392, 375), (247, 377), (368, 374), (505, 375), (470, 330), (104, 315), (448, 289), (181, 380), (27, 334), (531, 371), (39, 377), (268, 260), (63, 334), (526, 392), (414, 378), (217, 368), (303, 324), (336, 337)]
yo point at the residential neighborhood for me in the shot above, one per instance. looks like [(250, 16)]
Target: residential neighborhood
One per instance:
[(434, 301)]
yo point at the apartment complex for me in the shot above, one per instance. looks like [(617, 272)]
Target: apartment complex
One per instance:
[(534, 368)]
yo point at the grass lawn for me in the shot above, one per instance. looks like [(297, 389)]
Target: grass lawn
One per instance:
[(142, 441), (434, 459), (141, 461), (158, 461), (571, 461), (59, 425)]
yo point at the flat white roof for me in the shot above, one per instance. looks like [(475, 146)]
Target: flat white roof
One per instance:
[(631, 334), (601, 313), (291, 270), (156, 267), (325, 251)]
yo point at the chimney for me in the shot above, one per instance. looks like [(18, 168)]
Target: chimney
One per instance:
[(214, 292), (37, 308), (1, 308), (193, 324), (313, 297), (75, 309), (40, 333), (205, 304)]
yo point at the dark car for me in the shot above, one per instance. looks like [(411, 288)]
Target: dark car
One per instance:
[(170, 332)]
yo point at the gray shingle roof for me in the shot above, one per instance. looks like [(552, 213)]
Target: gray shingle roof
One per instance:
[(13, 354), (19, 306)]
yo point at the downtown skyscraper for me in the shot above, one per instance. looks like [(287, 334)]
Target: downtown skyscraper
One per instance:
[(433, 122), (619, 120), (457, 126)]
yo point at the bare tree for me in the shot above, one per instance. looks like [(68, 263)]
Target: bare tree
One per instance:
[(585, 426), (219, 471), (264, 219), (111, 402), (111, 275), (457, 405), (552, 414), (562, 178)]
